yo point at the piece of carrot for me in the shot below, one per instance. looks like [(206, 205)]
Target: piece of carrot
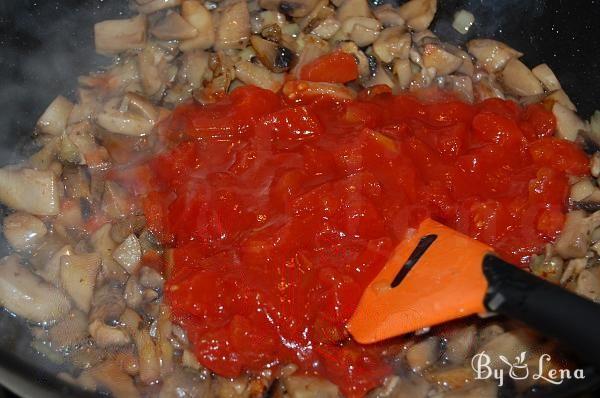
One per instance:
[(335, 67)]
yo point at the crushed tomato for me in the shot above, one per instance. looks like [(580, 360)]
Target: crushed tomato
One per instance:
[(279, 214)]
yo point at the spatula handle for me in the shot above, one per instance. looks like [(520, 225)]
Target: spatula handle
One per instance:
[(546, 307)]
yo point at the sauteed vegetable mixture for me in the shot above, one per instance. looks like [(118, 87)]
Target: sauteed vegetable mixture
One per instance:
[(202, 219)]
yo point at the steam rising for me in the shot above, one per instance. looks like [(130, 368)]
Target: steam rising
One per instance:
[(44, 46)]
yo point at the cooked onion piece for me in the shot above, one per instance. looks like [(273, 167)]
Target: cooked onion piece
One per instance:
[(32, 191), (28, 296), (257, 75), (129, 254)]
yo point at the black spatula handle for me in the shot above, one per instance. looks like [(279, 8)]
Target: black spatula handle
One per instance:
[(546, 307)]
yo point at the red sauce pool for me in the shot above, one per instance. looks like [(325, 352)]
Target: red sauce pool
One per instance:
[(279, 213)]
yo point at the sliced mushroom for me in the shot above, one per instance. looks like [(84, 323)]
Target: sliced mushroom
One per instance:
[(508, 344), (23, 231), (388, 15), (174, 27), (460, 343), (200, 18), (233, 27), (115, 36), (55, 117), (436, 57), (79, 146), (361, 30), (78, 277), (152, 6), (155, 71), (116, 201), (518, 79), (126, 123), (392, 43), (327, 28), (568, 124), (28, 296), (32, 191), (491, 54), (352, 9), (418, 14), (102, 242), (259, 76), (275, 57)]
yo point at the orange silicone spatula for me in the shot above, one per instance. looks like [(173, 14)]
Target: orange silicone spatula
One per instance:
[(438, 274)]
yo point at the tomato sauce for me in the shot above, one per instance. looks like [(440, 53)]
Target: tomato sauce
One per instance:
[(279, 213)]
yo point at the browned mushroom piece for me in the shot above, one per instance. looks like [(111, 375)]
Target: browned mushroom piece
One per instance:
[(274, 56), (115, 36)]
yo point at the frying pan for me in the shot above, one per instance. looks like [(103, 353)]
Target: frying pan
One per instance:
[(45, 44)]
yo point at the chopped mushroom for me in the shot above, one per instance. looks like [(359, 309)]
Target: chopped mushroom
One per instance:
[(491, 54), (361, 30), (388, 15), (51, 268), (588, 283), (257, 75), (562, 98), (424, 353), (174, 27), (418, 14), (54, 119), (78, 277), (518, 79), (108, 303), (32, 191), (233, 27), (109, 375), (23, 231), (275, 57), (108, 336), (148, 357), (547, 77), (443, 61), (69, 331), (392, 43), (574, 240), (293, 8), (308, 386), (149, 7), (27, 295), (568, 124), (403, 71), (115, 36), (200, 18), (185, 383), (352, 9)]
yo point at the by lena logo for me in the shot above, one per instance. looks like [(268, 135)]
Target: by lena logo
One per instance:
[(520, 369)]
